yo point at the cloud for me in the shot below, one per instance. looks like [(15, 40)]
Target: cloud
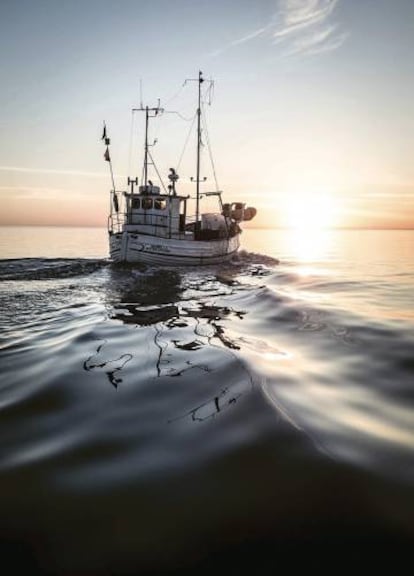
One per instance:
[(304, 27), (30, 190), (52, 171), (43, 192), (242, 40), (298, 27), (301, 13)]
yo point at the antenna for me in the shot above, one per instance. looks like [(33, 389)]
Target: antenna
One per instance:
[(149, 113), (140, 94)]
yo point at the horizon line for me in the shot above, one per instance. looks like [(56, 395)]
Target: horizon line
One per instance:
[(291, 228)]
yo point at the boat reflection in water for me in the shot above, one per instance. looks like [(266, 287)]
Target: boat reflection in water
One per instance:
[(181, 333)]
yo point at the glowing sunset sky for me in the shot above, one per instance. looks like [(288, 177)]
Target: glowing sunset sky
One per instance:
[(312, 115)]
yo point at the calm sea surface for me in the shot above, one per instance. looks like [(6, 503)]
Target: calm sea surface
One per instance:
[(229, 417)]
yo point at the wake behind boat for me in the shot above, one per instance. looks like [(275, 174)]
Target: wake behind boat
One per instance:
[(157, 227)]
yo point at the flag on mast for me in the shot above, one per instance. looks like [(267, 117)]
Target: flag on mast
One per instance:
[(104, 132), (106, 155)]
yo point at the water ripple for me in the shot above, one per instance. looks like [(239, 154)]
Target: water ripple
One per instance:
[(141, 406)]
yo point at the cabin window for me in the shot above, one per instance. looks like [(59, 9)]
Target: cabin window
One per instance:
[(160, 204), (135, 203), (147, 203)]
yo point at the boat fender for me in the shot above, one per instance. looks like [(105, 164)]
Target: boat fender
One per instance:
[(249, 213), (116, 204)]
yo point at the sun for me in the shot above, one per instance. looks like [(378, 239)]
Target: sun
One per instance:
[(311, 211)]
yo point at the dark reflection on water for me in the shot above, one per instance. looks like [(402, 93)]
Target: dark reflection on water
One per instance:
[(111, 367), (146, 317), (144, 286), (188, 421), (188, 326)]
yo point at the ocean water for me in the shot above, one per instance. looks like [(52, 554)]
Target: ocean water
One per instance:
[(233, 417)]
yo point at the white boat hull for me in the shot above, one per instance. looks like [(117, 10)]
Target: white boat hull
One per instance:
[(134, 247)]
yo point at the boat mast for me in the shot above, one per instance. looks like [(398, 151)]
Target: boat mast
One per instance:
[(146, 148), (200, 81), (155, 111)]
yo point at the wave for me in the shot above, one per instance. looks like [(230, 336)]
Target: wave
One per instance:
[(309, 348), (192, 402), (54, 268), (48, 268)]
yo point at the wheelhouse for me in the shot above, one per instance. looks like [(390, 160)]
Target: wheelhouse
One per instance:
[(150, 212)]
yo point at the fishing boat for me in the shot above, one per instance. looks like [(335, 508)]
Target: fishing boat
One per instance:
[(154, 224)]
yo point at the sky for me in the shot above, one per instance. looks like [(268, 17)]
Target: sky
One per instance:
[(310, 119)]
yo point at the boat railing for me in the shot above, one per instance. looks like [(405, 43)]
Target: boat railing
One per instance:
[(116, 222)]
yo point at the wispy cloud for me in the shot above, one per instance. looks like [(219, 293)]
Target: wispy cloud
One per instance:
[(298, 27), (305, 27), (243, 39), (52, 171), (43, 192), (30, 190)]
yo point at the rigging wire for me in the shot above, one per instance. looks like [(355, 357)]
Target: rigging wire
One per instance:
[(131, 136), (178, 114), (186, 140), (209, 146), (175, 95), (158, 123), (156, 170), (209, 98), (169, 100), (142, 174), (154, 142), (210, 92)]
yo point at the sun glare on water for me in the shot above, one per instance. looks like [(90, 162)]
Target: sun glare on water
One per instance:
[(310, 218)]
